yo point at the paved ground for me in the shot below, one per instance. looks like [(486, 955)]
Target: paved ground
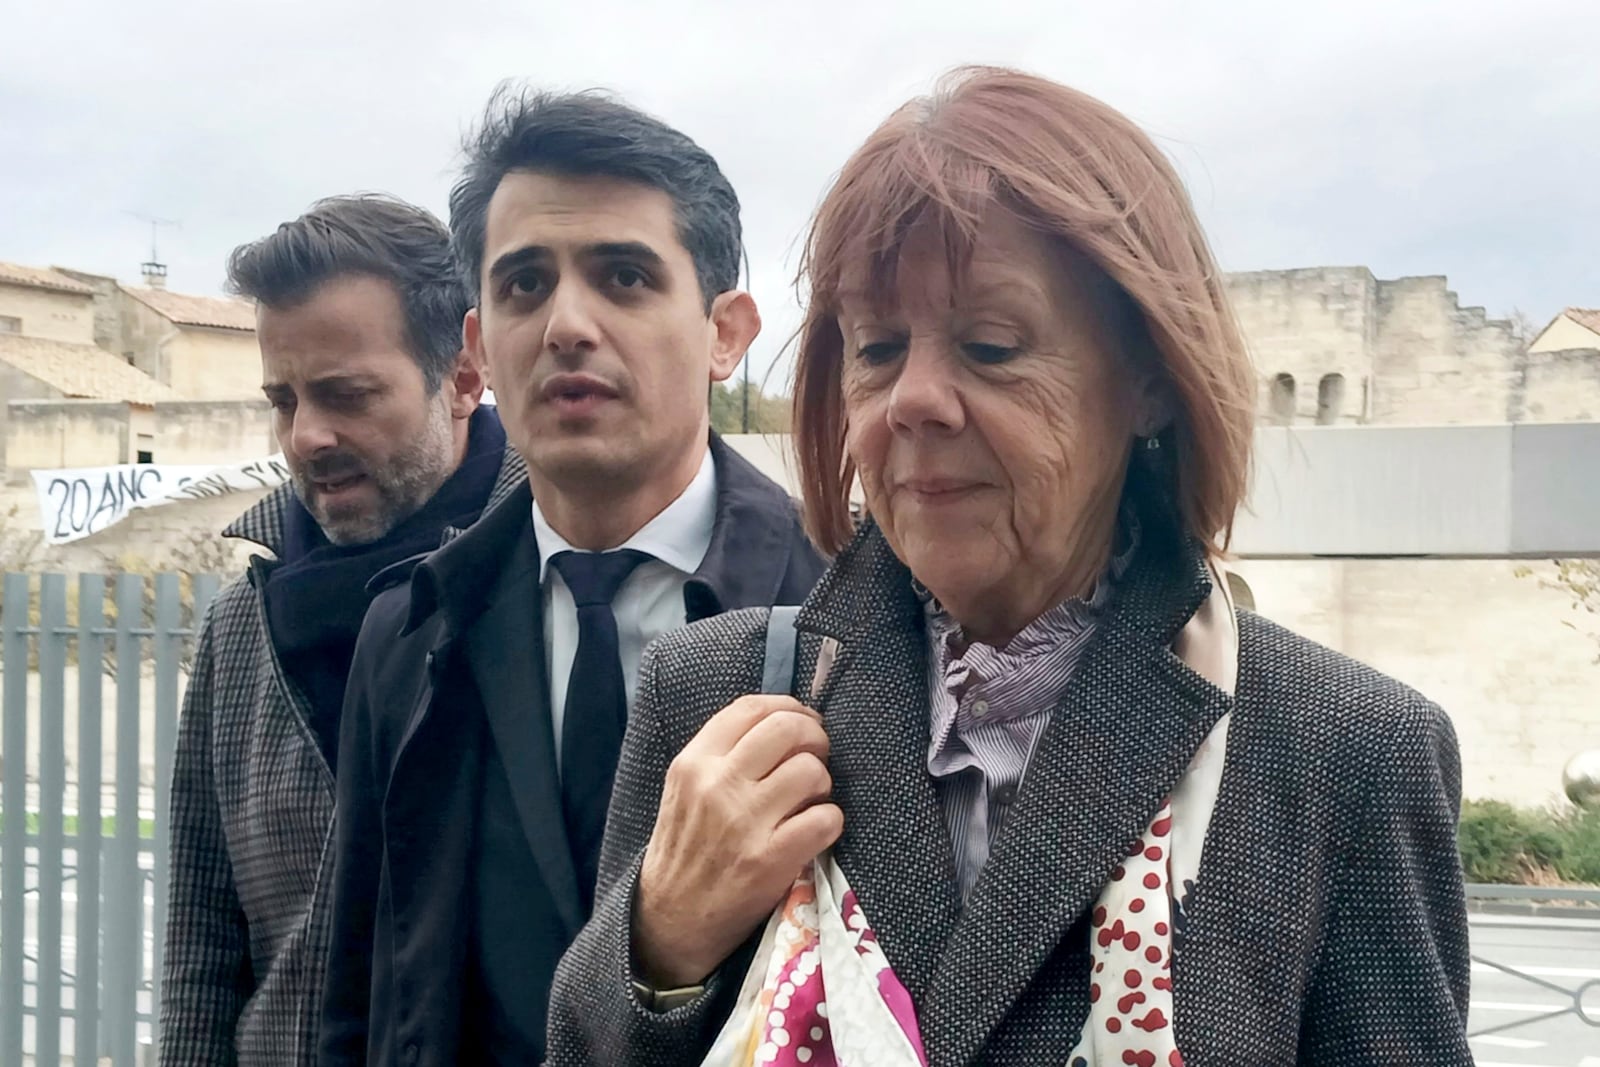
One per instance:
[(1554, 960), (69, 954)]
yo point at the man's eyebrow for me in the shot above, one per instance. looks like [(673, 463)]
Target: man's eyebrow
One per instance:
[(516, 259), (343, 381), (329, 381), (624, 250)]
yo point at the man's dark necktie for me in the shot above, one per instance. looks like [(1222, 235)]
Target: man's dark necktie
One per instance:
[(596, 711)]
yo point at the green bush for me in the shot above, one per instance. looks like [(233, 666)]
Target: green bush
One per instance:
[(1518, 846), (1580, 860)]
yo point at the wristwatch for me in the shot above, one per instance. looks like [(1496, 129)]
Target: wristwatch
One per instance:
[(662, 1001)]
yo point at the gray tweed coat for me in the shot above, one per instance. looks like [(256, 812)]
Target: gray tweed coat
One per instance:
[(1328, 923), (252, 819)]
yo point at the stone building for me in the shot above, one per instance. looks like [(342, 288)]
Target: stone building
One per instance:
[(204, 347), (44, 303), (49, 359), (1574, 328), (1337, 346), (94, 373), (201, 347)]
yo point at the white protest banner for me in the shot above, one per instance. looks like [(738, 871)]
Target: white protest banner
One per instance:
[(83, 501)]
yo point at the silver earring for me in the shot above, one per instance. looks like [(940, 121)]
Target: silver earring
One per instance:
[(1151, 444)]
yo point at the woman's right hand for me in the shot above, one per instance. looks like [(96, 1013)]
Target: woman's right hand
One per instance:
[(744, 808)]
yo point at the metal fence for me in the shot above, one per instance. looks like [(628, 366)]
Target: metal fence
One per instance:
[(83, 849), (1566, 1000)]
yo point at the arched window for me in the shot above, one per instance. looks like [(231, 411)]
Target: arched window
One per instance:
[(1330, 399), (1282, 403)]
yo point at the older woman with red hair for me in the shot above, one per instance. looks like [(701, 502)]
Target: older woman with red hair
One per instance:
[(1033, 791)]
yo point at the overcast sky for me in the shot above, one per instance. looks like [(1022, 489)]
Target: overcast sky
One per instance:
[(1411, 136)]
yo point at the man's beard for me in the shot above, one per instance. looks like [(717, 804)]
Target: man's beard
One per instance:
[(404, 483)]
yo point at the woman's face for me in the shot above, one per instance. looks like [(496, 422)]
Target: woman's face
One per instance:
[(991, 417)]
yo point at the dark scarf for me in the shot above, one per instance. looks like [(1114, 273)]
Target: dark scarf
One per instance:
[(317, 596)]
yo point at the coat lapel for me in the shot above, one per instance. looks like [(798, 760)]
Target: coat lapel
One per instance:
[(747, 559), (895, 851), (1131, 720), (504, 647)]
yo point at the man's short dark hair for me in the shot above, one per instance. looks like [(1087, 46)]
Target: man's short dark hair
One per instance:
[(590, 134), (369, 234)]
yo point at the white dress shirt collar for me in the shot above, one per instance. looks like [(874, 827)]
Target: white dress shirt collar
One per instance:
[(679, 536)]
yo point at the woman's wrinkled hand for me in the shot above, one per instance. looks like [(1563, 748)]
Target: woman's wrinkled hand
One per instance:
[(744, 807)]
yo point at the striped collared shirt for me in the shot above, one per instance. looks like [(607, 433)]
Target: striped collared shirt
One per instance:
[(989, 708)]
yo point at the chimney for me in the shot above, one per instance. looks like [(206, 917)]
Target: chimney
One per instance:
[(155, 274)]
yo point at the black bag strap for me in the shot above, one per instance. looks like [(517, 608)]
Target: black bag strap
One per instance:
[(777, 675)]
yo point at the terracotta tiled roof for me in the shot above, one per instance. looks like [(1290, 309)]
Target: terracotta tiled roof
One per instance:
[(222, 313), (1588, 318), (82, 371), (42, 278)]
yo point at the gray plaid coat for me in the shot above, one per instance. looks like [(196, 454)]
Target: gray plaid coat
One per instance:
[(252, 820), (1327, 926)]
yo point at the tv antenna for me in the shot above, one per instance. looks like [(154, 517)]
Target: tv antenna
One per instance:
[(154, 271)]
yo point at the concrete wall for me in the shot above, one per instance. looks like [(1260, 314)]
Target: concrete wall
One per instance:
[(48, 434), (1487, 640), (142, 336), (15, 385), (1559, 386), (64, 433), (1477, 492), (107, 315), (1564, 333), (207, 364), (213, 431), (48, 314)]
